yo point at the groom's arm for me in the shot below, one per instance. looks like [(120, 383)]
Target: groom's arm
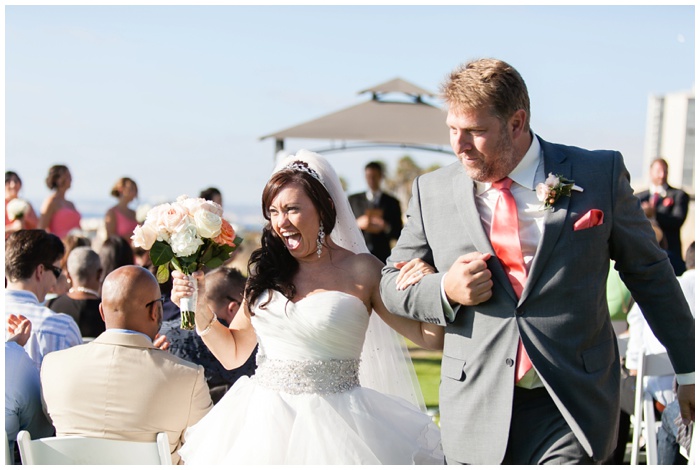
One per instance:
[(436, 297)]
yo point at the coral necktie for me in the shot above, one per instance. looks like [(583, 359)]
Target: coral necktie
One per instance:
[(505, 240)]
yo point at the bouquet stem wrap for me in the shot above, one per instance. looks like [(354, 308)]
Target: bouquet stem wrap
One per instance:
[(187, 307)]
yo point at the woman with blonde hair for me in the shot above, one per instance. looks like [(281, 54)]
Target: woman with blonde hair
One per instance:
[(59, 215), (120, 219)]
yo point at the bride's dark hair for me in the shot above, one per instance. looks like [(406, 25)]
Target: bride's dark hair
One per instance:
[(272, 266)]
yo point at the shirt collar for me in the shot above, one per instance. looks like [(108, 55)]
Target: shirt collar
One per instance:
[(658, 189), (525, 172), (130, 332), (24, 295)]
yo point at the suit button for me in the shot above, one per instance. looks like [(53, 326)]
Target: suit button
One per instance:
[(510, 362), (520, 311)]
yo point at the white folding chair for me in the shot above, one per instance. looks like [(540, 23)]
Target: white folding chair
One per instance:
[(8, 451), (644, 421), (689, 454), (78, 450)]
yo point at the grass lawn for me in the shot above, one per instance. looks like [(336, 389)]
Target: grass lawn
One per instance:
[(427, 365)]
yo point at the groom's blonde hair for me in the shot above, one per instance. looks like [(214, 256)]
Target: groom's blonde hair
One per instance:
[(487, 84)]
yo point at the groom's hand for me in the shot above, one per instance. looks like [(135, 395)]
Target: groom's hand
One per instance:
[(468, 281), (686, 400)]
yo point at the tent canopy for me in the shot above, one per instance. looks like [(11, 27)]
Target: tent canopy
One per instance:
[(408, 122)]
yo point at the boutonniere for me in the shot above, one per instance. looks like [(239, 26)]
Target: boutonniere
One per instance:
[(554, 187), (667, 202)]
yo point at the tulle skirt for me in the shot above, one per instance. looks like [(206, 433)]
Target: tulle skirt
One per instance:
[(255, 425)]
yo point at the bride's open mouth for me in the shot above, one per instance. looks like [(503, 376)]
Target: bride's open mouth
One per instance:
[(292, 240)]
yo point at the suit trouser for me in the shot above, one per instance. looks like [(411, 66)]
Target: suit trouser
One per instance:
[(539, 434)]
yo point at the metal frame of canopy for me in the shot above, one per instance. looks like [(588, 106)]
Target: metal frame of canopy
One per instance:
[(407, 123)]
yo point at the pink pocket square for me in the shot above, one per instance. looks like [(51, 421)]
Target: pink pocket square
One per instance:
[(590, 219)]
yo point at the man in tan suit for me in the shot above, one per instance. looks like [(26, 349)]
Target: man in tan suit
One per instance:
[(120, 386)]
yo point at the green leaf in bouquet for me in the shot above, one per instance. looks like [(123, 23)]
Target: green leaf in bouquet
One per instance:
[(161, 253), (191, 267), (214, 263), (189, 259), (163, 274), (237, 242), (208, 253)]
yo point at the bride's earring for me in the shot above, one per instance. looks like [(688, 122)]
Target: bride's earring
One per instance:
[(319, 240)]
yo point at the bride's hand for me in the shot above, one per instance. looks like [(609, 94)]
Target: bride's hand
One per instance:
[(181, 287), (410, 272)]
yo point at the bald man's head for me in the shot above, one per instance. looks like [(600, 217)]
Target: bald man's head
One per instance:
[(130, 297)]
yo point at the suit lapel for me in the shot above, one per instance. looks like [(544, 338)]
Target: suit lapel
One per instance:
[(556, 163), (468, 213)]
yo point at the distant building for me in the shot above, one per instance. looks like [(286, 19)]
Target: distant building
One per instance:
[(670, 134)]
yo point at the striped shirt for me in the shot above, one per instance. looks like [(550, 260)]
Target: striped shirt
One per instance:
[(51, 331)]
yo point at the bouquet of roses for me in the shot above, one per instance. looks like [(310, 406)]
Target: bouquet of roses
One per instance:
[(186, 235), (16, 208)]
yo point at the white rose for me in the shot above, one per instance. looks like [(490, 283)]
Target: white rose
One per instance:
[(542, 191), (184, 241), (208, 223), (142, 212), (16, 208), (552, 181), (144, 236)]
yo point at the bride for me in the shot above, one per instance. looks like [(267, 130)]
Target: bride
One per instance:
[(332, 384)]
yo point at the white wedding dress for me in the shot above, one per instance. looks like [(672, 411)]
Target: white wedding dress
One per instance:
[(304, 405)]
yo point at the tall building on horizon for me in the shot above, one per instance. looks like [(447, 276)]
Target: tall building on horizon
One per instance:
[(670, 134)]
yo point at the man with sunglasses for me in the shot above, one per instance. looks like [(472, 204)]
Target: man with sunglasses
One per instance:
[(121, 386), (223, 297), (32, 266)]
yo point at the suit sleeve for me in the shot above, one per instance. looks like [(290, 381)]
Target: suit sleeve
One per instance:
[(393, 218), (647, 273), (421, 301)]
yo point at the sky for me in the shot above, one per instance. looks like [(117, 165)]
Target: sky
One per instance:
[(177, 97)]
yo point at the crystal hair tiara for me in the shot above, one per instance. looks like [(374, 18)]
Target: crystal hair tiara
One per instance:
[(299, 165)]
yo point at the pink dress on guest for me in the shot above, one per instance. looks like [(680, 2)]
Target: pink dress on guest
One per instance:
[(125, 225), (63, 221)]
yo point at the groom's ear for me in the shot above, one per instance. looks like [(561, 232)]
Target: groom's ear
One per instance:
[(516, 123)]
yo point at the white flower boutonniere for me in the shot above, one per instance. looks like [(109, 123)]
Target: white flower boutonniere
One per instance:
[(554, 187)]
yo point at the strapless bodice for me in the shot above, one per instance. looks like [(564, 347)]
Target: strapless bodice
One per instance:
[(327, 325)]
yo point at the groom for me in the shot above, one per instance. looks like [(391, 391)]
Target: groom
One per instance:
[(531, 369)]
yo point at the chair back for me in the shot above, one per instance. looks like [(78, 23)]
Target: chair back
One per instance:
[(8, 451), (78, 450), (644, 421)]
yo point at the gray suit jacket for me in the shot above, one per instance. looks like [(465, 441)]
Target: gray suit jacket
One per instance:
[(562, 316), (121, 387)]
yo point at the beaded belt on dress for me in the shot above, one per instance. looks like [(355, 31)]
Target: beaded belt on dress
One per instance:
[(297, 377)]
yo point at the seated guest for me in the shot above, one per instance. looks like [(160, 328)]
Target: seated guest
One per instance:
[(223, 296), (212, 194), (642, 339), (120, 386), (23, 409), (82, 302), (32, 267), (114, 253)]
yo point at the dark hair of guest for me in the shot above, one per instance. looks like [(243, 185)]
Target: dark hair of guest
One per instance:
[(27, 249), (272, 266)]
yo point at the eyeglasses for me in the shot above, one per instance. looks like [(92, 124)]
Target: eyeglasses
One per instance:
[(54, 269), (161, 300)]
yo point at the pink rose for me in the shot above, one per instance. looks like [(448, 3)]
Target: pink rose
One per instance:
[(171, 217), (144, 236), (667, 202)]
